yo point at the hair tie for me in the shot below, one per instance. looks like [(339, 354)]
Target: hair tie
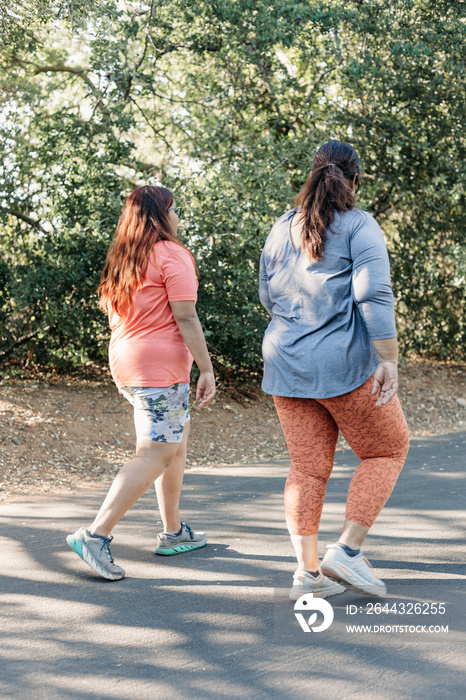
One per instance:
[(332, 164)]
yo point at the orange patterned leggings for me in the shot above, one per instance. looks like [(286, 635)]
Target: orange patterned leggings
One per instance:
[(378, 435)]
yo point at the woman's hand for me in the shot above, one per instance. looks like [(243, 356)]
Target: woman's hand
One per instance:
[(385, 381), (205, 388)]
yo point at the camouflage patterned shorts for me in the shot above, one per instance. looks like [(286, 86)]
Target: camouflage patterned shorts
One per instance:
[(160, 413)]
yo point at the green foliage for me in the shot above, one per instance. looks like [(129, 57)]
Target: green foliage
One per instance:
[(224, 102)]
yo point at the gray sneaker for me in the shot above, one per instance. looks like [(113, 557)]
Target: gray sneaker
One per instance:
[(95, 551), (322, 587), (186, 539)]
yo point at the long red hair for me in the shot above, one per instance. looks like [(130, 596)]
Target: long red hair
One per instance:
[(143, 221)]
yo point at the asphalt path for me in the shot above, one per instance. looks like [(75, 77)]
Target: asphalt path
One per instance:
[(216, 622)]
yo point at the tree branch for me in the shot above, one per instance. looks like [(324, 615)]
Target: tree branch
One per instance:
[(25, 218), (21, 341), (281, 121), (60, 68), (157, 132), (32, 334), (148, 28)]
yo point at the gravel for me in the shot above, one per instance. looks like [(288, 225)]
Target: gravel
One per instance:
[(61, 434)]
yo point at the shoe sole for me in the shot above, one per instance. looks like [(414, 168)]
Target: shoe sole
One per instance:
[(295, 595), (82, 551), (179, 548), (337, 574)]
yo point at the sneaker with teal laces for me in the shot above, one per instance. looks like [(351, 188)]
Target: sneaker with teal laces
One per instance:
[(183, 541), (95, 551)]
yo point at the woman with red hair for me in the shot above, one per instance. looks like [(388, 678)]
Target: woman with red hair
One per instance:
[(149, 289)]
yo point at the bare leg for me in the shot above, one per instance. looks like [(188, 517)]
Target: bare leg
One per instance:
[(132, 481), (353, 534), (168, 486), (305, 547)]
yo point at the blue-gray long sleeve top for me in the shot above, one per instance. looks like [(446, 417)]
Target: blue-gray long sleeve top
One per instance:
[(326, 312)]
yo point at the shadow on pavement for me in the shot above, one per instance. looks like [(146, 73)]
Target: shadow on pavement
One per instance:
[(209, 623)]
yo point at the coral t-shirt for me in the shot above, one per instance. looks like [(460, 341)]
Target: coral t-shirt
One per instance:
[(146, 347)]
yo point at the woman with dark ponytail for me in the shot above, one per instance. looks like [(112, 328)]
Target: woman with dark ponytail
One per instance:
[(330, 362)]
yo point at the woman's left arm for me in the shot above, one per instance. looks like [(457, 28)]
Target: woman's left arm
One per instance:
[(185, 315)]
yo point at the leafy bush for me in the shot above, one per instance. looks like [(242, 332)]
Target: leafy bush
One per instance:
[(225, 103)]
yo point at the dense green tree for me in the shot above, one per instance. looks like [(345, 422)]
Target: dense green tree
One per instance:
[(225, 102)]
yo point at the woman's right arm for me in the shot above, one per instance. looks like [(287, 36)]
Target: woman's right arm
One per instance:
[(386, 374)]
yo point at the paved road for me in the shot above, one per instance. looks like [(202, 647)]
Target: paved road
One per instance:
[(216, 623)]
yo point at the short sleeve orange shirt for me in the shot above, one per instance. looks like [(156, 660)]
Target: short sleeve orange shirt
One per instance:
[(146, 347)]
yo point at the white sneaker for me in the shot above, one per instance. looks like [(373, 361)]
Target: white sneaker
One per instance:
[(353, 572), (304, 582)]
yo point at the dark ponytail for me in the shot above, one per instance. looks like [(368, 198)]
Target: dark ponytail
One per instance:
[(328, 189)]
